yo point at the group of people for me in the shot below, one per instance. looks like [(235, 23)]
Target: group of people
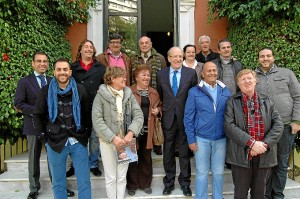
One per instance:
[(207, 103)]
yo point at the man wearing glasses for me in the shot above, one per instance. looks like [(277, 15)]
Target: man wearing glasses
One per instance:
[(114, 57), (26, 94)]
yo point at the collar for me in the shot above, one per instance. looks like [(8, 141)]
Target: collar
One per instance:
[(207, 53), (38, 74), (172, 70), (193, 67), (111, 54), (218, 82), (86, 67), (148, 53)]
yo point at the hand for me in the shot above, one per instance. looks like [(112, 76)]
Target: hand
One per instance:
[(128, 138), (155, 111), (253, 153), (119, 143), (259, 147), (193, 146), (295, 128)]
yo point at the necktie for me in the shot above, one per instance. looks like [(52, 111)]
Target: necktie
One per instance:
[(145, 55), (43, 80), (174, 83)]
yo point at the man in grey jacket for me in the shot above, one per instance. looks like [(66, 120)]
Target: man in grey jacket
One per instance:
[(282, 86)]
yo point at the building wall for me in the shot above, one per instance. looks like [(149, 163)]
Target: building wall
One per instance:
[(75, 35), (216, 30)]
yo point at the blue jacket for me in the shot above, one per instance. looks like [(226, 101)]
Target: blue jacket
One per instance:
[(201, 117)]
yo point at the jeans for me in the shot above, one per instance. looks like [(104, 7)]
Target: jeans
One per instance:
[(57, 164), (277, 180), (210, 155), (94, 150)]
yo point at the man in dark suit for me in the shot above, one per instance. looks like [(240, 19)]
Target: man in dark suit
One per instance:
[(173, 84), (26, 94)]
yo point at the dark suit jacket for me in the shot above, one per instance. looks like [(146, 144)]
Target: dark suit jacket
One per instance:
[(170, 102), (26, 95)]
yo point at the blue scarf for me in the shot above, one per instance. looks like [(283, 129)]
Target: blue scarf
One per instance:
[(54, 90)]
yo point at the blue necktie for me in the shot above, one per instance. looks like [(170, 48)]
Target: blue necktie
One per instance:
[(174, 83), (43, 80)]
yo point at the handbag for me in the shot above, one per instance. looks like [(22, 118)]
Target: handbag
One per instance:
[(158, 135)]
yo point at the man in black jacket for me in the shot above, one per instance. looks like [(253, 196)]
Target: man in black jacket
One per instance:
[(88, 72), (205, 54), (61, 115)]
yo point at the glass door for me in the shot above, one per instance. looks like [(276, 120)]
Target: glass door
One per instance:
[(123, 17)]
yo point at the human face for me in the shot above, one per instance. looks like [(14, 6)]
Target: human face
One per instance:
[(175, 57), (266, 59), (40, 64), (190, 54), (247, 84), (225, 49), (62, 73), (145, 44), (204, 45), (115, 46), (87, 51), (142, 79), (119, 83), (210, 73)]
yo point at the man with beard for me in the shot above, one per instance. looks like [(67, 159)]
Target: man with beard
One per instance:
[(282, 86), (61, 115)]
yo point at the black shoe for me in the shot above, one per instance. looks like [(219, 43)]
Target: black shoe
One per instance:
[(71, 172), (32, 195), (168, 190), (131, 192), (186, 190), (157, 150), (96, 171), (70, 193)]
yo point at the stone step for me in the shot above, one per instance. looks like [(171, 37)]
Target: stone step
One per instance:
[(14, 182)]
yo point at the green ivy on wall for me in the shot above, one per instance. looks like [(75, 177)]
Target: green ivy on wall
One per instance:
[(25, 27), (255, 24)]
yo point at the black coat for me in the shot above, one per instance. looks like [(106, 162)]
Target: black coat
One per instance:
[(55, 133), (90, 79), (211, 56), (235, 129)]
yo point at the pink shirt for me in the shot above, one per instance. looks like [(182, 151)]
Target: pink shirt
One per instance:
[(116, 60)]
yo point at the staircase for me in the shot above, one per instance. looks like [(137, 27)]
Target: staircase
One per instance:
[(14, 182)]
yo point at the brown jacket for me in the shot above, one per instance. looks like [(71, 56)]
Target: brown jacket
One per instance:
[(154, 98), (104, 59)]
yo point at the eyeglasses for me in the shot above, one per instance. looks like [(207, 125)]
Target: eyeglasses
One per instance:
[(115, 42), (41, 61)]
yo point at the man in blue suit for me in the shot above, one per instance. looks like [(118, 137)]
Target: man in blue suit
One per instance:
[(26, 94), (173, 84)]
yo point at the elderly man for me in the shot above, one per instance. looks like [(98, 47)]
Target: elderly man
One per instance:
[(173, 84), (148, 55), (61, 113), (282, 86), (203, 121), (205, 54), (114, 57), (227, 66), (253, 127)]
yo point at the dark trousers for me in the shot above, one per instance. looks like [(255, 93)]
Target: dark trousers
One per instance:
[(171, 135), (34, 152), (139, 174), (277, 181), (253, 178)]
